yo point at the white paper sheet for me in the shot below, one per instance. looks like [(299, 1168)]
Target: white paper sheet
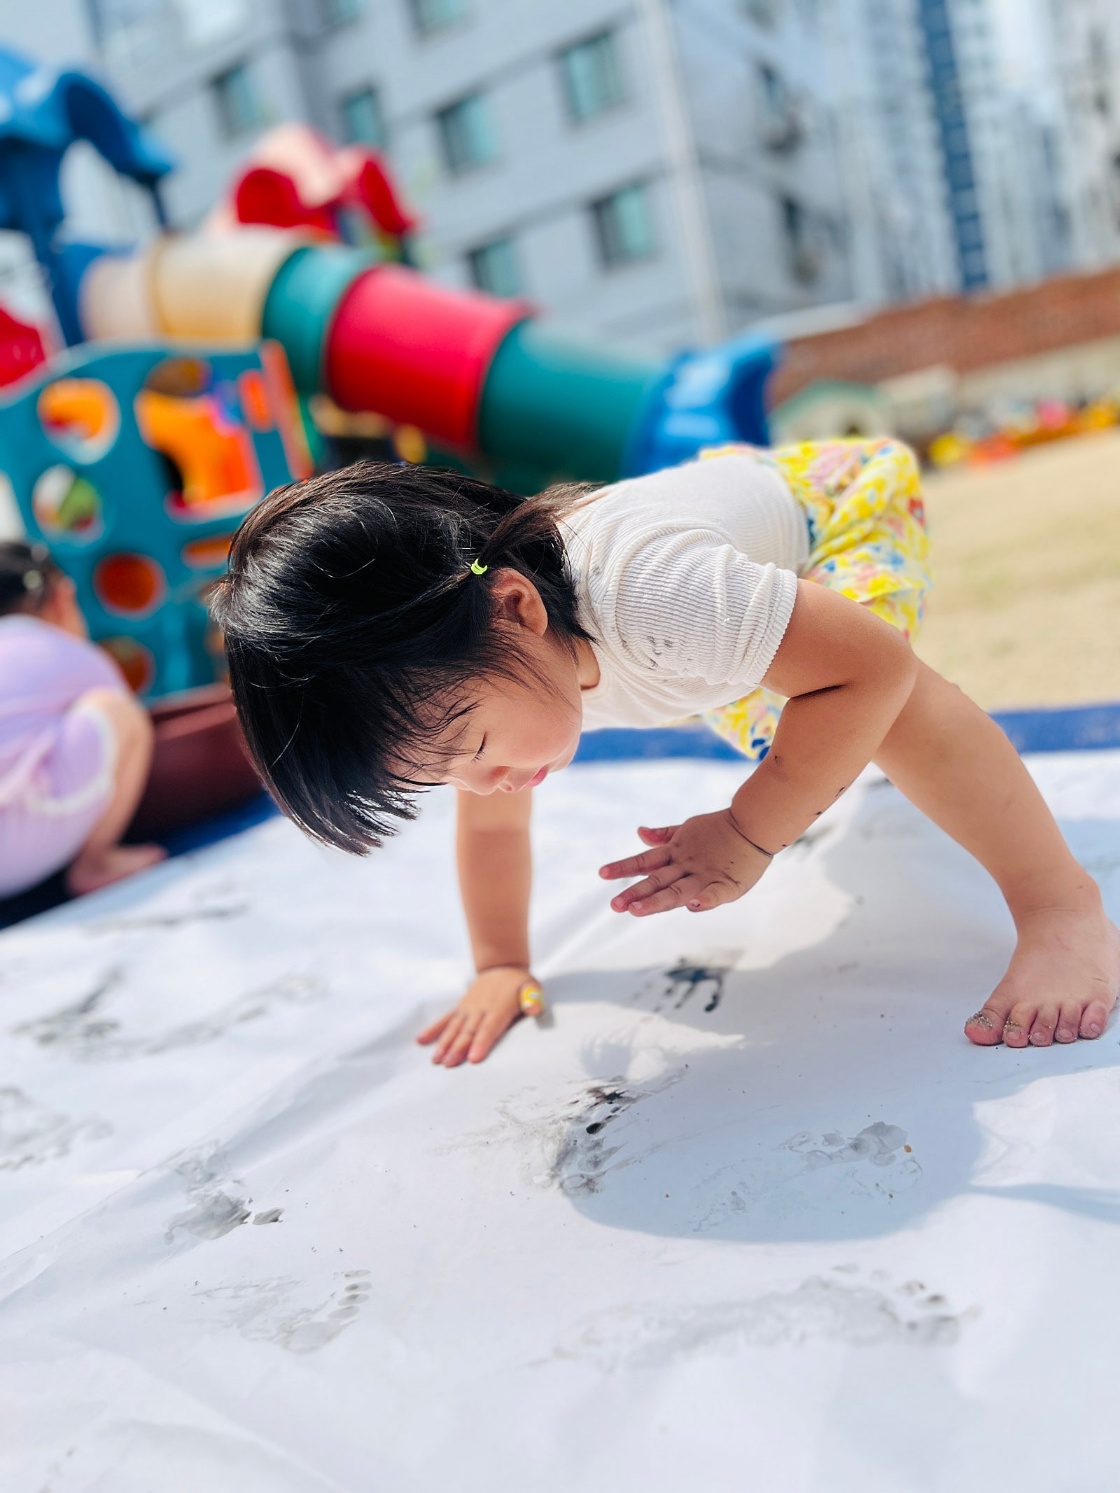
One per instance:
[(751, 1214)]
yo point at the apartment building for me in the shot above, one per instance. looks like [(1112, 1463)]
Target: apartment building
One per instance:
[(1085, 42), (655, 172)]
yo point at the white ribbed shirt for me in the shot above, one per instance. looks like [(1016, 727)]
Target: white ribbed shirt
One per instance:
[(686, 580)]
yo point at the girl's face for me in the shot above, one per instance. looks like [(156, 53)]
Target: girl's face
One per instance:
[(519, 731)]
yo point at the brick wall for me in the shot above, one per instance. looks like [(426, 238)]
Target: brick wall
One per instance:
[(966, 333)]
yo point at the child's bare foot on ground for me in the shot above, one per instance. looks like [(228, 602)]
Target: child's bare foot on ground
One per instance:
[(1061, 984), (95, 869)]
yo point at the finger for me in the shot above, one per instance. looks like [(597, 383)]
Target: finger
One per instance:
[(458, 1050), (451, 1031), (657, 836), (430, 1033), (654, 882), (715, 894), (636, 865), (492, 1026), (667, 898)]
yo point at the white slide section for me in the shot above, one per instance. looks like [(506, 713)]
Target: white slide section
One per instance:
[(751, 1214)]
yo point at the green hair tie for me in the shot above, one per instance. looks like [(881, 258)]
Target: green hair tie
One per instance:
[(477, 569)]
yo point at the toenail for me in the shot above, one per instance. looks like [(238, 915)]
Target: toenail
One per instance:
[(1039, 1039), (1093, 1029), (980, 1019)]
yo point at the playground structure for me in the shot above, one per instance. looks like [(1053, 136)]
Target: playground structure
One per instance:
[(184, 393)]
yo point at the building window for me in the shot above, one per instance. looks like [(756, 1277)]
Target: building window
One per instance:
[(592, 77), (623, 226), (362, 120), (802, 250), (762, 12), (782, 125), (494, 268), (340, 12), (466, 134), (437, 15), (239, 104)]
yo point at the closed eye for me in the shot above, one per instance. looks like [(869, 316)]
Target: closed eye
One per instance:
[(481, 749)]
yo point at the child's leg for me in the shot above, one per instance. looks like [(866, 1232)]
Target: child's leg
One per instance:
[(103, 859), (956, 765)]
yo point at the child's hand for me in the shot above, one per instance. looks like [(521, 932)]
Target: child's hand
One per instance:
[(699, 864), (489, 1008)]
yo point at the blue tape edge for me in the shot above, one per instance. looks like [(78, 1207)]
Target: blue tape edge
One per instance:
[(1078, 728)]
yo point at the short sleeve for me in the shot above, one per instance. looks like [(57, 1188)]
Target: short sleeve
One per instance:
[(686, 604)]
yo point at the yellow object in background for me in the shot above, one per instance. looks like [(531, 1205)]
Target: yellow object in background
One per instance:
[(531, 999)]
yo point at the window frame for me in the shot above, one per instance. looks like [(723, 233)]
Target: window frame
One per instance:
[(236, 128), (606, 37), (351, 96), (335, 14), (454, 164), (602, 207), (424, 27), (476, 259)]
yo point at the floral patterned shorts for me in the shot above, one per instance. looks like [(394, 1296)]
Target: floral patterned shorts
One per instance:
[(867, 540)]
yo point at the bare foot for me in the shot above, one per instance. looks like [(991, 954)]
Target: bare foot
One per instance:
[(95, 869), (1061, 984)]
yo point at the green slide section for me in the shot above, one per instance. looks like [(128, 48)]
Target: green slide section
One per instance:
[(561, 407), (301, 303)]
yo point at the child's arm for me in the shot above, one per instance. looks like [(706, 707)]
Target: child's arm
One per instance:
[(495, 873), (848, 675)]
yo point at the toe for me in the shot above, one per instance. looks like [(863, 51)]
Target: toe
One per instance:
[(1094, 1018), (1017, 1027), (1069, 1022), (1044, 1025), (986, 1027)]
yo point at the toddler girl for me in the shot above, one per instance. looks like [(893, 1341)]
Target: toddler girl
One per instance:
[(74, 744), (389, 628)]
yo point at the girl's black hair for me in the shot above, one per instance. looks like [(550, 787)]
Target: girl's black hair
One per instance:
[(27, 574), (354, 628)]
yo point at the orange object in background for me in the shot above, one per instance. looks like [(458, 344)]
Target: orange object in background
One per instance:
[(80, 414), (215, 458), (253, 393), (129, 584), (207, 554), (282, 397), (133, 660)]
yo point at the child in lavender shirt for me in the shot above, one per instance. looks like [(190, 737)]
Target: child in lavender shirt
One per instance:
[(75, 746)]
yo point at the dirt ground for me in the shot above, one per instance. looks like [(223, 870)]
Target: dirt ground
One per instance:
[(1026, 598)]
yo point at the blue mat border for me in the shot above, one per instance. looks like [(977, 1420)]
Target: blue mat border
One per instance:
[(1079, 728)]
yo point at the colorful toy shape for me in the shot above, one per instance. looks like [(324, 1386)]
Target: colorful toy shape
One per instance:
[(295, 178), (21, 348), (141, 520), (42, 113), (135, 462)]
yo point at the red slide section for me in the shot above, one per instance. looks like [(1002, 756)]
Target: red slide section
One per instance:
[(416, 352)]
